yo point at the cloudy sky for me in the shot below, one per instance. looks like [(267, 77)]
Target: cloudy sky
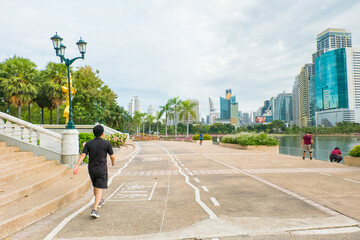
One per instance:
[(158, 49)]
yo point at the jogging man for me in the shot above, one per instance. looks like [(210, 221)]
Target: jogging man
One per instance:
[(306, 144), (97, 150)]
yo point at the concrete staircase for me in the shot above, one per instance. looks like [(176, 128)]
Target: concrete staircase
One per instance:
[(32, 187)]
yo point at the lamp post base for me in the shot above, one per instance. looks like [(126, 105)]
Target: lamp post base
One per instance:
[(70, 147)]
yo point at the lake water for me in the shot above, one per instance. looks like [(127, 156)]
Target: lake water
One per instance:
[(291, 145)]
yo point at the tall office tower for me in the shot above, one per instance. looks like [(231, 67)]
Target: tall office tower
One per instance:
[(151, 110), (338, 87), (234, 113), (196, 109), (212, 110), (304, 107), (130, 109), (296, 102), (328, 40), (266, 107), (225, 105), (283, 108)]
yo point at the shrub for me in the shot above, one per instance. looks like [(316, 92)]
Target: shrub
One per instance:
[(246, 139), (116, 139), (355, 152), (205, 137), (85, 137)]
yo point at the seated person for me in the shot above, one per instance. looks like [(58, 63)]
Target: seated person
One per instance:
[(335, 155)]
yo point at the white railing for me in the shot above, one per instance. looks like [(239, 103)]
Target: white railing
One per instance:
[(30, 133)]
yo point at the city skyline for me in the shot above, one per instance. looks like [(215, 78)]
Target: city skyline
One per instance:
[(161, 49)]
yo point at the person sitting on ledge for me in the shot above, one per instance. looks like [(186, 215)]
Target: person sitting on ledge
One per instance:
[(335, 155)]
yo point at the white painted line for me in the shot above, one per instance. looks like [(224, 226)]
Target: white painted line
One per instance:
[(152, 192), (205, 188), (215, 239), (190, 173), (327, 231), (186, 169), (289, 165), (57, 229), (215, 202), (325, 174), (211, 214), (197, 180), (350, 180), (182, 165)]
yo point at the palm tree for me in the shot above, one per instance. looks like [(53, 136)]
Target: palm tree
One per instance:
[(175, 102), (150, 119), (18, 81), (165, 109), (187, 112), (56, 76), (137, 120)]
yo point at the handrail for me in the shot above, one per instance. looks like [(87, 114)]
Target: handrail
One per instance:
[(29, 125)]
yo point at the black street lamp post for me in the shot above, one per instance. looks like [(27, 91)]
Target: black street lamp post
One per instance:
[(60, 52)]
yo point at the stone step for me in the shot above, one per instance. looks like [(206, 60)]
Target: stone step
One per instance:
[(24, 211), (31, 184), (9, 149), (13, 175), (14, 155), (21, 162)]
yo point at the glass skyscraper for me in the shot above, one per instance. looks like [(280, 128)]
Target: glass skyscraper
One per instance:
[(331, 80)]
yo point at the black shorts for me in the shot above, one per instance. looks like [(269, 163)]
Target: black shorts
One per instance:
[(99, 180)]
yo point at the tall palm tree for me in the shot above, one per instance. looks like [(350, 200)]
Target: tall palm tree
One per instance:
[(175, 102), (56, 76), (166, 109), (137, 120), (187, 112), (18, 81), (150, 119)]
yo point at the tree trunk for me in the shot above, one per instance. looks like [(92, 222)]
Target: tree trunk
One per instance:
[(187, 126), (175, 122), (157, 128), (143, 128), (149, 128), (57, 114), (166, 126), (19, 111), (51, 116), (29, 116)]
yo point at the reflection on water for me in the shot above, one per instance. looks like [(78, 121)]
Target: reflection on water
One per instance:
[(291, 145)]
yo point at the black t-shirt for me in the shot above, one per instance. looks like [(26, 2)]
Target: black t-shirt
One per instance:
[(98, 150)]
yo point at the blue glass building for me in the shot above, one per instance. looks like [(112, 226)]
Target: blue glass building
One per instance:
[(331, 80), (225, 107)]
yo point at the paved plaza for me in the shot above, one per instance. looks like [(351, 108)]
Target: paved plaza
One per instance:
[(180, 190)]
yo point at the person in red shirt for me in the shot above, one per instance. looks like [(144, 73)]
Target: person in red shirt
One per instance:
[(306, 144), (335, 155)]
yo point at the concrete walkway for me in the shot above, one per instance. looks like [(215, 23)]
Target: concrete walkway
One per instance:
[(177, 190)]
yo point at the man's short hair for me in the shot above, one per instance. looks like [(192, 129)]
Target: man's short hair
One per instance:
[(309, 133), (98, 130)]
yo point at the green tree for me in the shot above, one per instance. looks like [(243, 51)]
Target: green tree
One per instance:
[(150, 119), (166, 109), (55, 76), (18, 81), (187, 112), (175, 103)]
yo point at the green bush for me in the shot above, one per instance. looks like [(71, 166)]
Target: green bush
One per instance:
[(85, 137), (116, 139), (355, 152), (205, 137), (246, 139)]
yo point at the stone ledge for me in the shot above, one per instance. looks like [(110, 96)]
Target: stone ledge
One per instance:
[(271, 149), (352, 161)]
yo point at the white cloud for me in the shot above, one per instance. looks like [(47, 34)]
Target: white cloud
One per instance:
[(159, 49)]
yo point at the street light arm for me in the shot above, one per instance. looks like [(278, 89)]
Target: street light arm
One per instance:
[(74, 59)]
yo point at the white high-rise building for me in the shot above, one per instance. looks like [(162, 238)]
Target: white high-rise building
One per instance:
[(134, 105), (196, 109), (151, 110), (212, 111)]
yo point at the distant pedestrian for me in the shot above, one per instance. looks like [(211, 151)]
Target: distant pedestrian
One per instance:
[(218, 140), (307, 144), (335, 155), (201, 135), (97, 150)]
